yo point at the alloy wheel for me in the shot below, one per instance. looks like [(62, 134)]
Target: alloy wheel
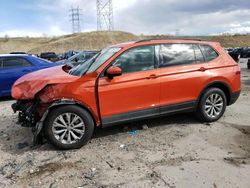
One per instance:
[(214, 105), (68, 128)]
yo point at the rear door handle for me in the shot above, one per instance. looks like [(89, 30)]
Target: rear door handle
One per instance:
[(202, 69), (152, 76)]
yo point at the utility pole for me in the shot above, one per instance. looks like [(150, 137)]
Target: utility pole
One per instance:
[(104, 15), (75, 19)]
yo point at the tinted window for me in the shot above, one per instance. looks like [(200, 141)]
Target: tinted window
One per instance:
[(176, 54), (208, 52), (12, 62), (198, 54), (136, 59)]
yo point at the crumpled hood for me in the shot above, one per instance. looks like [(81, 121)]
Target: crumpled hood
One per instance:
[(27, 86)]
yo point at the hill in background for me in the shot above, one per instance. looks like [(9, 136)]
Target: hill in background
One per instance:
[(97, 41)]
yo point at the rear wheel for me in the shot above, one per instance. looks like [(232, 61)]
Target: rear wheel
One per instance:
[(68, 127), (212, 105)]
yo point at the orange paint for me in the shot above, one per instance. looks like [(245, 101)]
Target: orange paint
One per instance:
[(132, 91)]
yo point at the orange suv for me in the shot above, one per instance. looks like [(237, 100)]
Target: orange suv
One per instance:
[(124, 83)]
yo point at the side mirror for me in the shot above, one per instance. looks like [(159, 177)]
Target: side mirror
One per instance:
[(113, 71)]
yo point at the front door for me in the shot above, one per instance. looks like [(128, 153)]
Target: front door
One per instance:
[(135, 94)]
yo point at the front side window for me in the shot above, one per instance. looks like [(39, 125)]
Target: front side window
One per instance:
[(208, 52), (13, 62), (176, 54), (136, 59)]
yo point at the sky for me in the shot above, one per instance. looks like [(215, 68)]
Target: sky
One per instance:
[(36, 18)]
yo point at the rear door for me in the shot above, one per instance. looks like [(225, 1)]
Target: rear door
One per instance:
[(134, 94), (12, 69), (183, 72)]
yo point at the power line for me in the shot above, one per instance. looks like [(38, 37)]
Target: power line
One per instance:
[(104, 15), (75, 14)]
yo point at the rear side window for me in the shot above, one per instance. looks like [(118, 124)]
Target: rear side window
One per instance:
[(13, 62), (137, 59), (208, 52), (198, 54), (176, 54)]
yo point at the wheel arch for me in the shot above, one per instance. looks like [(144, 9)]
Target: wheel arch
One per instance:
[(63, 102), (221, 85)]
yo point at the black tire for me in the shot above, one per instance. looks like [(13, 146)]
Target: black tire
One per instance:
[(80, 112), (201, 113)]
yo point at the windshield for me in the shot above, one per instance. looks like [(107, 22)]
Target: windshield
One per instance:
[(94, 63)]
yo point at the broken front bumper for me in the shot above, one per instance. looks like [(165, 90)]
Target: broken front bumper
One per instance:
[(26, 112), (28, 117)]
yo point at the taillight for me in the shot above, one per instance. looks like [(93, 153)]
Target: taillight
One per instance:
[(238, 71)]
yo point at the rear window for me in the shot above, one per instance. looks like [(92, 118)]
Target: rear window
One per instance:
[(208, 52)]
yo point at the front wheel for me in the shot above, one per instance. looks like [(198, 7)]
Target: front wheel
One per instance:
[(212, 105), (68, 127)]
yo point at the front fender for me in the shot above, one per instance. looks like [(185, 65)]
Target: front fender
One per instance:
[(61, 102)]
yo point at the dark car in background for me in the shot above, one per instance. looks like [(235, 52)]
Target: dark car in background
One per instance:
[(78, 58), (245, 53), (14, 66), (236, 53), (69, 54), (18, 53), (51, 56)]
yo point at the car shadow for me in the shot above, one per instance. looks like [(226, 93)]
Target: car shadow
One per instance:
[(2, 99), (165, 121)]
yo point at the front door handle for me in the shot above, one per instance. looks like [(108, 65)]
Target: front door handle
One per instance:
[(152, 76), (202, 69)]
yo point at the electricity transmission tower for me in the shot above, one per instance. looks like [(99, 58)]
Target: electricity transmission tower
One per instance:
[(75, 14), (104, 15)]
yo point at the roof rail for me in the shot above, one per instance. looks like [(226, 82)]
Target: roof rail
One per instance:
[(169, 38)]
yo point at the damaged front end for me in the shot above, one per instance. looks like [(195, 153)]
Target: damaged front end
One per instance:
[(30, 114), (26, 112), (35, 92)]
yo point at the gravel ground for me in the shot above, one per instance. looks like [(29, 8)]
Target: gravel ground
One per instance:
[(175, 151)]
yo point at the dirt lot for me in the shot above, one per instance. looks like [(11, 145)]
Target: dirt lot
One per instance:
[(175, 151)]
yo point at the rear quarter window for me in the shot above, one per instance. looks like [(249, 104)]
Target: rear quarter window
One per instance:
[(198, 54), (208, 52)]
